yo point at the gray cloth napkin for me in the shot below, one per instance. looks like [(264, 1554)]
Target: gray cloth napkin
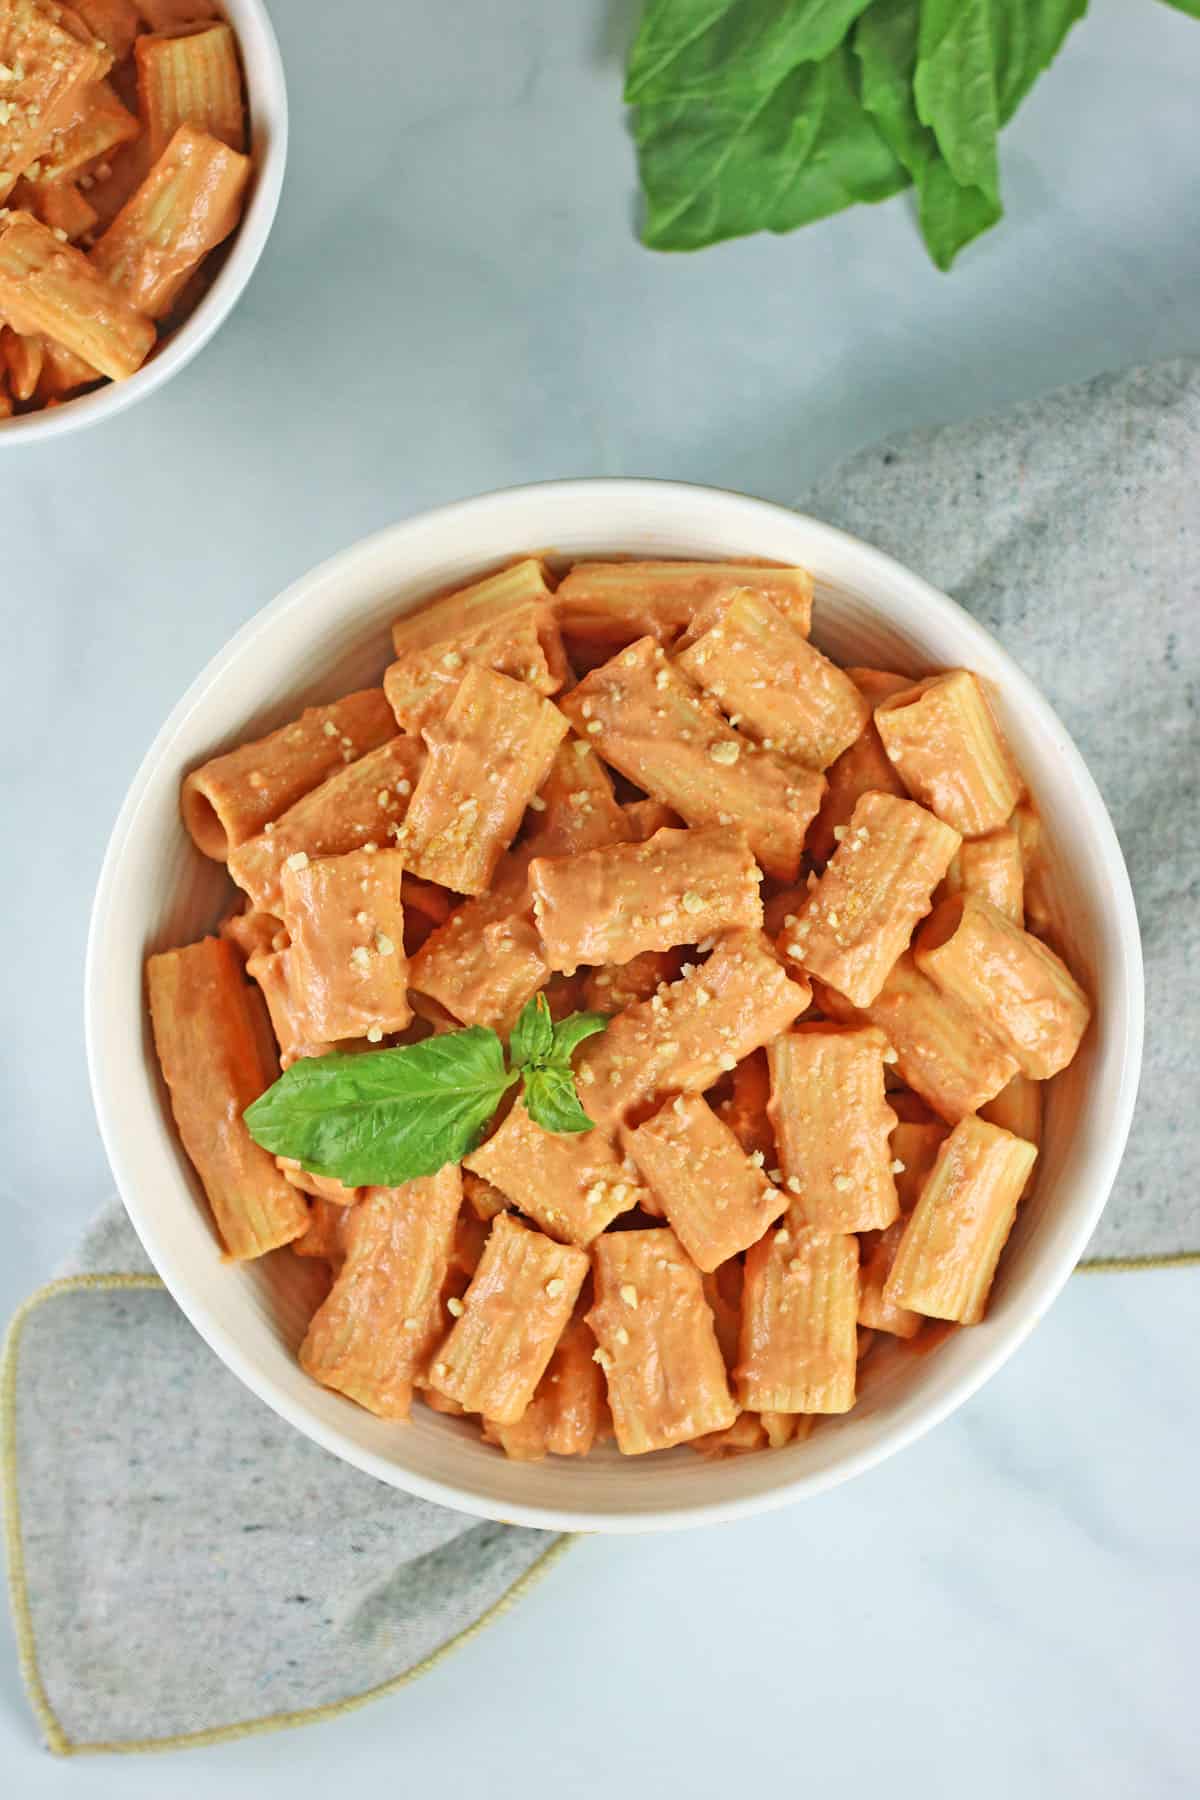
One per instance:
[(189, 1565), (186, 1564), (1071, 529)]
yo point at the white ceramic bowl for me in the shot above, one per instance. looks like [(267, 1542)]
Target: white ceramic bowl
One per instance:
[(266, 95), (328, 634)]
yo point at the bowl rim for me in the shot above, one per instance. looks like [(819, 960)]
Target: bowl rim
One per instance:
[(266, 86), (877, 568)]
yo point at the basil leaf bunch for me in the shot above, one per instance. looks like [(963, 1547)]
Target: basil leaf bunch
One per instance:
[(763, 115), (388, 1116)]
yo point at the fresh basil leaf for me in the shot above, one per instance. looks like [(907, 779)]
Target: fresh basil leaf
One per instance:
[(569, 1034), (387, 1116), (722, 49), (714, 170), (551, 1101), (532, 1038), (1029, 35), (885, 43), (955, 89), (1190, 7)]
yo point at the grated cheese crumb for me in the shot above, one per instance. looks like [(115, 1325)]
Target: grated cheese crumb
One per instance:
[(298, 860), (725, 753)]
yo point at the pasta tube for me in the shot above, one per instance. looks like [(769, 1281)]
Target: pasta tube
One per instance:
[(648, 721), (514, 1313), (610, 905), (991, 867), (861, 768), (567, 1412), (191, 80), (49, 286), (188, 204), (682, 1038), (878, 884), (485, 961), (758, 664), (572, 1185), (231, 798), (798, 1350), (99, 127), (914, 1151), (520, 640), (487, 757), (948, 1254), (460, 613), (359, 805), (347, 964), (574, 809), (211, 1034), (943, 1050), (951, 754), (374, 1335), (657, 1346), (604, 605), (832, 1126), (716, 1198), (47, 71), (1032, 1003)]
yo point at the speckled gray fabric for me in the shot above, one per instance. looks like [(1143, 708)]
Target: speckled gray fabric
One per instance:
[(192, 1561), (1071, 528)]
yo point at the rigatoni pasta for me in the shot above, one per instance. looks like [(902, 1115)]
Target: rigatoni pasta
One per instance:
[(806, 1118), (860, 915), (651, 723), (942, 738), (832, 1125), (606, 605), (799, 1343), (513, 1314), (215, 1054), (488, 756), (686, 1035), (373, 1337), (608, 906), (1031, 1001), (573, 1187), (656, 1342), (768, 679), (992, 867), (716, 1199), (231, 798), (947, 1257)]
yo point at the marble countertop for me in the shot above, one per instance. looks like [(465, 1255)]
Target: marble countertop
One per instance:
[(454, 300)]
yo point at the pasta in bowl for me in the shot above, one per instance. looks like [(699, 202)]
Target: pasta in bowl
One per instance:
[(627, 782), (142, 146)]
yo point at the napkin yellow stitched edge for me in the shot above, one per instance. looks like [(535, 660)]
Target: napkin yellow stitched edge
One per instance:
[(57, 1739), (55, 1736)]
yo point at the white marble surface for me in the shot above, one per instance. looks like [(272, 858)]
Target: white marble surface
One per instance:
[(454, 300)]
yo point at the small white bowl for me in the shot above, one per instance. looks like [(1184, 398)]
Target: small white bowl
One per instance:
[(327, 634), (266, 97)]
